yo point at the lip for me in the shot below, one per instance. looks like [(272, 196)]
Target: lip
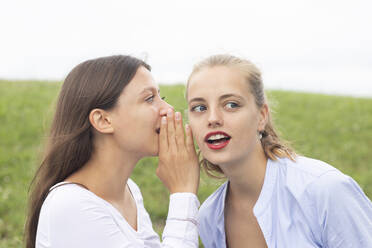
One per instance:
[(219, 145)]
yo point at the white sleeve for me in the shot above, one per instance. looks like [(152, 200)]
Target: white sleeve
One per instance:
[(181, 229)]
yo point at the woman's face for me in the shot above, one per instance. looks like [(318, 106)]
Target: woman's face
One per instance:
[(136, 117), (223, 115)]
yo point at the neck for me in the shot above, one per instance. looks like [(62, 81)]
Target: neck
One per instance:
[(246, 177), (106, 173)]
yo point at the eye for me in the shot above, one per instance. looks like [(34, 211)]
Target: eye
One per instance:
[(198, 108), (232, 105), (150, 99)]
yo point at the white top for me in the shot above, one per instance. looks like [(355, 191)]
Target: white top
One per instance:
[(72, 216), (304, 204)]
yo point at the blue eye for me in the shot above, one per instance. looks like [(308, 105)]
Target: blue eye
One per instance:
[(198, 108), (231, 105)]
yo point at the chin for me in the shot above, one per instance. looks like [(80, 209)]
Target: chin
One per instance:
[(216, 159), (149, 151)]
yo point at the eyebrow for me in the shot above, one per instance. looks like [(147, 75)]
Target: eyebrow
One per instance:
[(150, 88), (200, 99)]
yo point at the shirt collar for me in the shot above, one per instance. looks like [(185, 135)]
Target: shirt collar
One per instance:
[(267, 187)]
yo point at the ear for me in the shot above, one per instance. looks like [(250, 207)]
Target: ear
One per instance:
[(101, 121), (263, 117)]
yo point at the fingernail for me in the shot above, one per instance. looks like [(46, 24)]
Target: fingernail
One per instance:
[(187, 126), (163, 112), (178, 116), (164, 119), (169, 112)]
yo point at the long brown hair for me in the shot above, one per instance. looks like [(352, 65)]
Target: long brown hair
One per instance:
[(92, 84), (271, 143)]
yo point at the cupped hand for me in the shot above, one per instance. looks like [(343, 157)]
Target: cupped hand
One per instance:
[(178, 166)]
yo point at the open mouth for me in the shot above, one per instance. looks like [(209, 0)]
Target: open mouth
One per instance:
[(217, 140)]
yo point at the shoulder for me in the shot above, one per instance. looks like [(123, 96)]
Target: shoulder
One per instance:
[(318, 182), (297, 175), (72, 203), (72, 213), (69, 195), (300, 178), (334, 186), (72, 216), (306, 166), (317, 176), (330, 188), (343, 211)]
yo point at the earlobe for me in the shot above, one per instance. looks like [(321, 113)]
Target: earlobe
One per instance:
[(101, 121)]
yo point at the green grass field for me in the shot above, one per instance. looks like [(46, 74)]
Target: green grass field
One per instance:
[(335, 129)]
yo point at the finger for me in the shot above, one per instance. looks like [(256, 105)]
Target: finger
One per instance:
[(189, 138), (163, 136), (163, 112), (180, 135), (171, 129)]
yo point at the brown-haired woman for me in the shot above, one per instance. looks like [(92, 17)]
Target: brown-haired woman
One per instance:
[(273, 197), (109, 115)]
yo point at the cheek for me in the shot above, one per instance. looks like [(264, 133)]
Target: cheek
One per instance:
[(152, 115), (247, 129), (196, 129), (155, 108), (192, 121)]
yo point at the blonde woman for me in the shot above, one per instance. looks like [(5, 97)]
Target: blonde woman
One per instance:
[(272, 197)]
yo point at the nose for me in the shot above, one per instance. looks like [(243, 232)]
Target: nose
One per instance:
[(214, 118), (164, 108)]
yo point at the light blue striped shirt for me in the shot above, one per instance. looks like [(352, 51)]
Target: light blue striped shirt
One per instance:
[(306, 203)]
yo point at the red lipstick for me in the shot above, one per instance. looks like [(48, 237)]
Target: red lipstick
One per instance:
[(217, 140)]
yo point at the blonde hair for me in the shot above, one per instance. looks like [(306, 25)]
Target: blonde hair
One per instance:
[(272, 145)]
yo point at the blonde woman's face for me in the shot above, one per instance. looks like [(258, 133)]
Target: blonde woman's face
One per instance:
[(223, 115)]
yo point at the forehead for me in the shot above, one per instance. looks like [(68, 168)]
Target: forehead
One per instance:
[(216, 81), (141, 80)]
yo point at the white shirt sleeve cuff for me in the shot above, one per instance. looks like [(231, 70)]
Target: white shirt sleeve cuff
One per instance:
[(183, 206), (181, 229)]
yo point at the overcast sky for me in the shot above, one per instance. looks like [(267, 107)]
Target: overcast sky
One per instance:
[(313, 45)]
